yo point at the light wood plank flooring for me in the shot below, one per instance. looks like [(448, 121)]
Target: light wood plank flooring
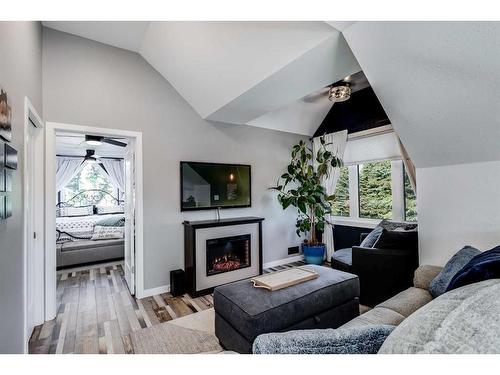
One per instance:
[(96, 313)]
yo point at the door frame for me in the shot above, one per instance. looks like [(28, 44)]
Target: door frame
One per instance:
[(33, 119), (50, 204)]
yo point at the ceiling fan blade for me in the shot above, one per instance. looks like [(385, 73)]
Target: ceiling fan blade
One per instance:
[(114, 142)]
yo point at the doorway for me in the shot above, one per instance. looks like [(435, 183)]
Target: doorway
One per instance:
[(33, 242), (130, 195)]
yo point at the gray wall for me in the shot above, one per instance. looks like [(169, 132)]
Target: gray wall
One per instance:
[(88, 83), (20, 76)]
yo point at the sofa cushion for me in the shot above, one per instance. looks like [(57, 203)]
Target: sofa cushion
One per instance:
[(90, 244), (407, 301), (378, 315), (343, 255), (253, 311), (464, 320), (394, 240), (440, 283), (424, 275), (359, 340), (372, 237), (482, 267)]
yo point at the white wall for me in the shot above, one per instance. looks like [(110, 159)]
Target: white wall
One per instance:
[(457, 205), (20, 76), (92, 84)]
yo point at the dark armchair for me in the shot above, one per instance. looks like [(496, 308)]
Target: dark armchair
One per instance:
[(384, 270)]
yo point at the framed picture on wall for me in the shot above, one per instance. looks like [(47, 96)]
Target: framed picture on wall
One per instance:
[(5, 116), (7, 180), (8, 207), (2, 207), (10, 157), (2, 154), (2, 180)]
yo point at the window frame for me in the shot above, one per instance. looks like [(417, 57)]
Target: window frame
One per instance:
[(398, 196)]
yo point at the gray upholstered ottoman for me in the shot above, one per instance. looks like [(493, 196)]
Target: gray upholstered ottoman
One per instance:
[(243, 312)]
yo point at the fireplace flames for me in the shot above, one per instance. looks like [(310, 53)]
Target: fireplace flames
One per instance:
[(226, 263)]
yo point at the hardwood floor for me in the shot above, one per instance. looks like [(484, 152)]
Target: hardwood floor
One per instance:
[(96, 313)]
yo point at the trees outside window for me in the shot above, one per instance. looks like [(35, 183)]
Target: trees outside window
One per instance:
[(375, 193), (340, 206), (90, 177)]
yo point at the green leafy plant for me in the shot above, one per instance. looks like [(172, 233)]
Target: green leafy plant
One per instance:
[(301, 187)]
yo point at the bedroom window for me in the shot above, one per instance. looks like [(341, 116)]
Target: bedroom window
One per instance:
[(375, 193), (90, 177), (340, 205)]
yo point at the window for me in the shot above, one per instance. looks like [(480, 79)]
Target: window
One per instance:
[(340, 206), (375, 193), (410, 200), (90, 177)]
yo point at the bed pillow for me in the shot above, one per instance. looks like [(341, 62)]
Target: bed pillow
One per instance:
[(440, 283), (115, 221), (74, 211), (372, 237), (110, 210), (483, 266), (108, 233)]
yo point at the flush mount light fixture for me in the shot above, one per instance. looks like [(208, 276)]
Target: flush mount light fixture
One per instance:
[(340, 93)]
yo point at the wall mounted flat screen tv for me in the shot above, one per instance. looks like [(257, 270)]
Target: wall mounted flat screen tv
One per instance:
[(213, 185)]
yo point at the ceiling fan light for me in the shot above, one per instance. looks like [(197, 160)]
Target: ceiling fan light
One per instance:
[(339, 94), (93, 140)]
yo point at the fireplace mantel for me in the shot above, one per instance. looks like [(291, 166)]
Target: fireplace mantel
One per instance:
[(197, 233)]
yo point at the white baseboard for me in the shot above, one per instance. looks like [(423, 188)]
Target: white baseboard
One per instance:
[(166, 288), (154, 291), (280, 262)]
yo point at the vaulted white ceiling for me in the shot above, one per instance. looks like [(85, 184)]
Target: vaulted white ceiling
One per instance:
[(439, 83), (236, 72)]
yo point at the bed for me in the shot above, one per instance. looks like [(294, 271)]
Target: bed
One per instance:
[(87, 233)]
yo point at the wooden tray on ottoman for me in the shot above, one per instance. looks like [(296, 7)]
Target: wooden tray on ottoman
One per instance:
[(283, 279)]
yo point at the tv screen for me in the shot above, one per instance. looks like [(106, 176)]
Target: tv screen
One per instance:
[(212, 185)]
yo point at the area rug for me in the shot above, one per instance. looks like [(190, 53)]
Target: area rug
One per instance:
[(191, 334)]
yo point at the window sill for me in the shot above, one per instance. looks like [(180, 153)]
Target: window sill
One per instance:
[(352, 222)]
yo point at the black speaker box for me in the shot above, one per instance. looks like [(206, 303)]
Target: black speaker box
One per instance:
[(177, 282)]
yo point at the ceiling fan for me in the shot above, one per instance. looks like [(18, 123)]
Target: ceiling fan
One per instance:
[(97, 140)]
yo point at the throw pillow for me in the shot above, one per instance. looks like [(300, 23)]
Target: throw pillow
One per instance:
[(393, 240), (482, 267), (372, 237), (110, 210), (114, 221), (74, 211), (440, 283), (108, 233), (359, 340)]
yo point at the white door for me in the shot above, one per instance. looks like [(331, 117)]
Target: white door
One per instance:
[(34, 207), (130, 216)]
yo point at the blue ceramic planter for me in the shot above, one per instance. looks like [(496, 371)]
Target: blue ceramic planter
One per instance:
[(313, 254)]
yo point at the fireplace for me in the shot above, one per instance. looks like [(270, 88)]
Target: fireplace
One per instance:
[(228, 254), (217, 252)]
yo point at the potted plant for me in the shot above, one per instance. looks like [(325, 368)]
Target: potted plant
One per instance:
[(301, 187)]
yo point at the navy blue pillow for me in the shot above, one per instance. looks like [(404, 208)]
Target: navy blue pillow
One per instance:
[(458, 261), (372, 237), (482, 267)]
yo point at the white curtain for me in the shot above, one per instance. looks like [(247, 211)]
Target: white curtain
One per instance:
[(116, 172), (338, 142), (66, 169)]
